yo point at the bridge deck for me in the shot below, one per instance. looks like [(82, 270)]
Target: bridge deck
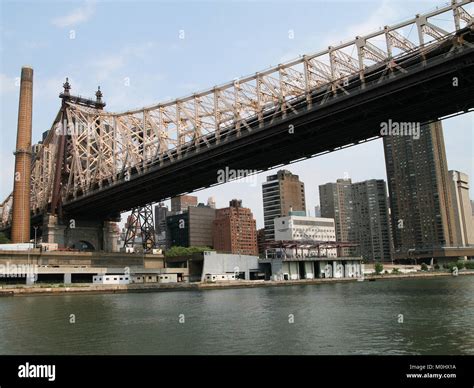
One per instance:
[(423, 92)]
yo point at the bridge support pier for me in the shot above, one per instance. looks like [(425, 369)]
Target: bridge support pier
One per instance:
[(53, 232), (67, 278), (110, 236), (30, 279), (81, 234)]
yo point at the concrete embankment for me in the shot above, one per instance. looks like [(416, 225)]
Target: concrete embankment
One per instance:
[(156, 287)]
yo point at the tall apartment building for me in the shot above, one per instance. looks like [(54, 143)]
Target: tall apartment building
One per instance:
[(360, 212), (336, 202), (182, 202), (420, 198), (472, 207), (317, 211), (211, 202), (282, 193), (161, 211), (192, 228), (235, 230), (371, 219), (261, 241), (177, 230), (459, 184)]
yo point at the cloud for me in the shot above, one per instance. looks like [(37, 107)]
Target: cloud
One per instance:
[(49, 88), (79, 15), (189, 87), (35, 45), (105, 66), (119, 74), (385, 14), (7, 84)]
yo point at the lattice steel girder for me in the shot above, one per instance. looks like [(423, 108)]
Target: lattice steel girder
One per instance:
[(141, 223)]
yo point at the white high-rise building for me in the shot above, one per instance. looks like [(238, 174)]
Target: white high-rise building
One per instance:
[(463, 220), (211, 202)]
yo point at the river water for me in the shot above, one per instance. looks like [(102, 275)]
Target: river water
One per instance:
[(422, 316)]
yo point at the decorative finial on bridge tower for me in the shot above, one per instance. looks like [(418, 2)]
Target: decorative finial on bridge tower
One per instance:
[(67, 87), (66, 96), (98, 95)]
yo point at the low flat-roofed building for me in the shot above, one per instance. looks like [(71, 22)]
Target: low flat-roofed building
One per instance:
[(208, 263), (295, 260), (243, 266), (111, 279)]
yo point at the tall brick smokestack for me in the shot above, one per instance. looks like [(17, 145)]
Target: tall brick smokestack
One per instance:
[(21, 186)]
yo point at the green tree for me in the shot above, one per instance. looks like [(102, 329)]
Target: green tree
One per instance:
[(185, 251), (4, 239), (469, 264), (378, 268), (461, 264), (424, 267), (450, 266)]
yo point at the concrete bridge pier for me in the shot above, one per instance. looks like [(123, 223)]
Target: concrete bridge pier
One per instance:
[(30, 279), (67, 278), (82, 234), (53, 232), (110, 234)]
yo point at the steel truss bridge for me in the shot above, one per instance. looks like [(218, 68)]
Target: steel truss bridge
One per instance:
[(101, 163)]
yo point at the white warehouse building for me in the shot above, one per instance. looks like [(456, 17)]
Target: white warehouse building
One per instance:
[(305, 228), (306, 248), (228, 266)]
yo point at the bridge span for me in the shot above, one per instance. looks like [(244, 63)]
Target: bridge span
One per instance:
[(333, 120), (419, 89)]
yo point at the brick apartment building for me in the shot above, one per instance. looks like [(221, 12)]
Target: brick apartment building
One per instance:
[(234, 230)]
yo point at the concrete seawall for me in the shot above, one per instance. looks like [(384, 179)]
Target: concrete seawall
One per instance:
[(155, 287)]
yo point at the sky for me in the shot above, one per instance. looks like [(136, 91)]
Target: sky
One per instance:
[(143, 52)]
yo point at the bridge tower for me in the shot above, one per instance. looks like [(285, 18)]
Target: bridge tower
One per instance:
[(75, 231)]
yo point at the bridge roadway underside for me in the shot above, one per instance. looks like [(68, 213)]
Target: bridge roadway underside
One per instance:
[(425, 93)]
